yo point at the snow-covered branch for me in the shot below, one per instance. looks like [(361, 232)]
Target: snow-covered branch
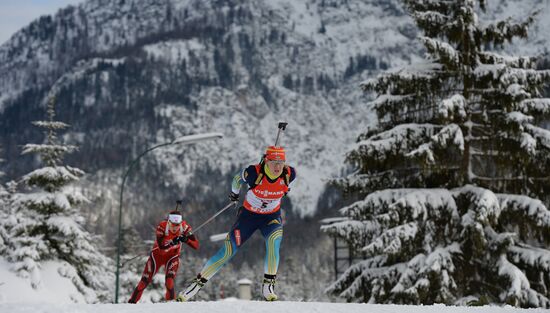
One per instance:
[(399, 140), (506, 30), (446, 53)]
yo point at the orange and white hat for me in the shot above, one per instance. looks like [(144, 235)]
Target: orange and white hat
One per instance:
[(275, 153)]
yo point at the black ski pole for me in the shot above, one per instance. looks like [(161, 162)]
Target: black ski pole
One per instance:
[(130, 260), (214, 216)]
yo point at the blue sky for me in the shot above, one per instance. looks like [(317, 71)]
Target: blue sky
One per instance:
[(15, 14)]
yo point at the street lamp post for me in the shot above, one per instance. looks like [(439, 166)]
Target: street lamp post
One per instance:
[(181, 140)]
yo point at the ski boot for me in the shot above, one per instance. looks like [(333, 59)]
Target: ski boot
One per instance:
[(268, 288), (192, 290)]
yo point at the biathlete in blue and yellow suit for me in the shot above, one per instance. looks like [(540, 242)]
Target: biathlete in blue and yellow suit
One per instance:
[(268, 183)]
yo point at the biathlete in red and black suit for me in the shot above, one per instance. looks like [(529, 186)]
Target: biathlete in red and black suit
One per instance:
[(268, 183), (170, 234)]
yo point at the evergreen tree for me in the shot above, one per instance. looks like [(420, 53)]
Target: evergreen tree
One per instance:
[(45, 224), (452, 172), (4, 215), (4, 220)]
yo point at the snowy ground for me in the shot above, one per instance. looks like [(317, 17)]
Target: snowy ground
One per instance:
[(56, 293), (250, 306), (52, 287)]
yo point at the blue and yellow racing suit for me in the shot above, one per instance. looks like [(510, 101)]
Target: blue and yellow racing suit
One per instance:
[(260, 210)]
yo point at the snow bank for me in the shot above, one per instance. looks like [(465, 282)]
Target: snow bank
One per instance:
[(54, 288)]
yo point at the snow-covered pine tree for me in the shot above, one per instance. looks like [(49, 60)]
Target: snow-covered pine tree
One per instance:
[(45, 224), (4, 214), (452, 172)]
